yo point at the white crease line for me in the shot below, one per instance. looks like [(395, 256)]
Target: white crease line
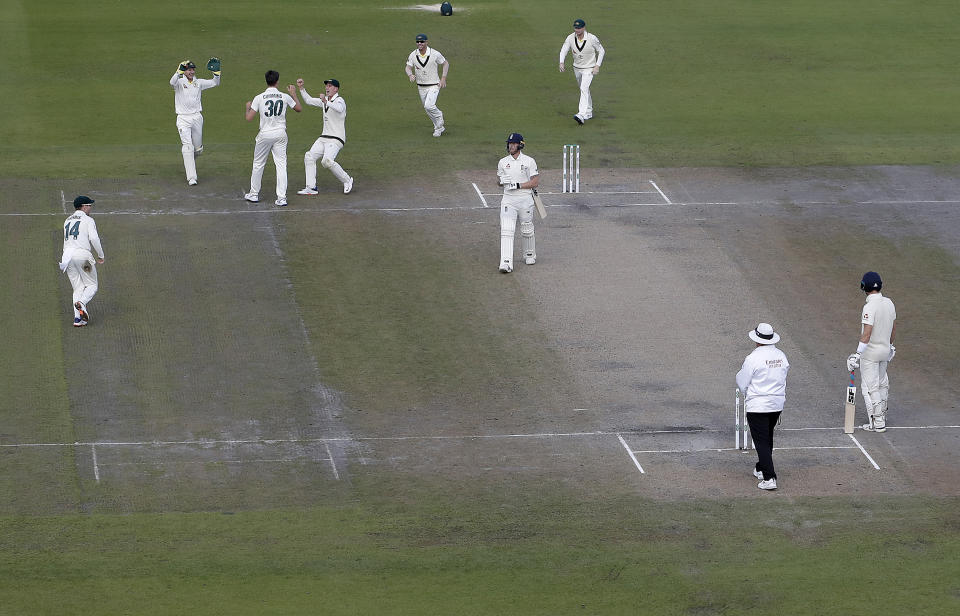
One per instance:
[(632, 457), (719, 449), (480, 194), (588, 192), (654, 184), (333, 465), (852, 438), (96, 467)]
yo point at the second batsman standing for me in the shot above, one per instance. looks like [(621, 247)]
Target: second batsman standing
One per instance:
[(518, 174), (875, 351)]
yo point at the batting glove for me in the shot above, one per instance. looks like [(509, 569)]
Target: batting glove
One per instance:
[(853, 362), (893, 351)]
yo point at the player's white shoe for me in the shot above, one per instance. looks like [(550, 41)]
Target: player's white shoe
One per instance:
[(769, 484), (758, 474), (348, 186), (529, 260), (281, 203), (192, 182), (198, 151), (577, 117), (78, 323), (84, 317), (876, 426), (252, 197), (308, 191), (439, 131), (506, 267)]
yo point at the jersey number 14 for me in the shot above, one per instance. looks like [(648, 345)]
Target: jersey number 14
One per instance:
[(73, 230)]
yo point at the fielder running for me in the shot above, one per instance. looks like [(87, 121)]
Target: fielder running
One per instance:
[(423, 68), (518, 174), (587, 57), (331, 140), (763, 381), (186, 99), (79, 236), (875, 351), (271, 104)]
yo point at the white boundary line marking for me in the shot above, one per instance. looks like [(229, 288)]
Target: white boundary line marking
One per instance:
[(480, 194), (632, 457), (853, 438), (333, 465), (96, 467), (654, 184)]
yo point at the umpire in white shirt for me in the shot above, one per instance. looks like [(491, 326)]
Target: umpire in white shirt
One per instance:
[(763, 382)]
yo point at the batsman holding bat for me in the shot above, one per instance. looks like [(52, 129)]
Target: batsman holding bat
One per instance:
[(186, 98), (519, 176), (875, 351)]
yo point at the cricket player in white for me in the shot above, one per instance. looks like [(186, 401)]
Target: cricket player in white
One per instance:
[(763, 381), (518, 174), (271, 105), (186, 99), (79, 236), (423, 68), (587, 57), (875, 351), (331, 140)]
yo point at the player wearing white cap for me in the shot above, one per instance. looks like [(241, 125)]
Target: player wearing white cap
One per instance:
[(423, 67), (79, 236), (331, 140), (271, 105), (518, 174), (763, 381), (186, 99), (875, 351), (587, 57)]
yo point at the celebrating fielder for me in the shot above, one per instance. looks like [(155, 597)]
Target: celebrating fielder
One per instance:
[(423, 68), (79, 236), (331, 140), (186, 100), (271, 104), (518, 174), (587, 57), (875, 351)]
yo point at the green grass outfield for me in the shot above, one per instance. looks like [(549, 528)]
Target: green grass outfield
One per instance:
[(689, 83)]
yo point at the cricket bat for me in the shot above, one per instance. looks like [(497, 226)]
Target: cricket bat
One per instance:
[(536, 199), (850, 406)]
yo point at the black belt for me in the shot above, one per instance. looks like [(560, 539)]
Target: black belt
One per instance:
[(333, 137), (427, 85)]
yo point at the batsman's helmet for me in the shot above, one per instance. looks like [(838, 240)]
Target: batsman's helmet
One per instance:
[(871, 282), (515, 138), (446, 9)]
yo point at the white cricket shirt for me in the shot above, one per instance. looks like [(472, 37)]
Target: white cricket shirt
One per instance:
[(334, 115), (512, 171), (272, 105), (763, 380), (426, 68), (186, 93), (587, 53), (879, 312), (80, 234)]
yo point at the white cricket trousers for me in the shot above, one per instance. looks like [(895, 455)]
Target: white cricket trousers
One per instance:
[(584, 79), (428, 96), (190, 127), (875, 386), (513, 208), (82, 272), (273, 142), (325, 150)]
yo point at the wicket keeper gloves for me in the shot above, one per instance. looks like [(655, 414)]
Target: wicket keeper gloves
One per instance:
[(183, 66), (853, 362), (213, 65)]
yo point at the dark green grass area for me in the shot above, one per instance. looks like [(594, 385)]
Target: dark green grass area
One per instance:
[(735, 82), (496, 553)]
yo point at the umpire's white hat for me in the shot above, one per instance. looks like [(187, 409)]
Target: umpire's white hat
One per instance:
[(764, 334)]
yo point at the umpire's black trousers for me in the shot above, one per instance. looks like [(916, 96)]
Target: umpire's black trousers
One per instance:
[(761, 429)]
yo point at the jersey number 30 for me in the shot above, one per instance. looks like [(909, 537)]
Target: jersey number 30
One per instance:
[(273, 108), (73, 230)]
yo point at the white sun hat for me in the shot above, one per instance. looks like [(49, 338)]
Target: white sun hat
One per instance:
[(764, 334)]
